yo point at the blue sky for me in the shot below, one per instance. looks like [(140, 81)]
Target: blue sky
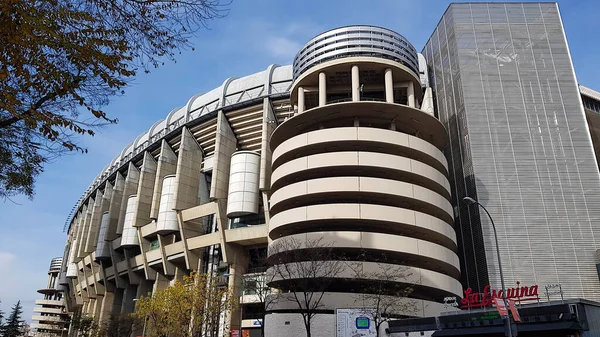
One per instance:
[(253, 36)]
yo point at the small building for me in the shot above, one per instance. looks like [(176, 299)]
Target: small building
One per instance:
[(575, 317)]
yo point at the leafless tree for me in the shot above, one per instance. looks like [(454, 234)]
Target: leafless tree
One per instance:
[(304, 270), (385, 294)]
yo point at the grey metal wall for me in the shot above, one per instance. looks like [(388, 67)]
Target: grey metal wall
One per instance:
[(506, 90)]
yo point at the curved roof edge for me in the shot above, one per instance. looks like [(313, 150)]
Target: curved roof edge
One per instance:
[(161, 128)]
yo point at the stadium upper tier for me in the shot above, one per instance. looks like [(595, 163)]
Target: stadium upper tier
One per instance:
[(234, 93)]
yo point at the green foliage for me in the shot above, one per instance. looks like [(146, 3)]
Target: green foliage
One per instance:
[(62, 60), (118, 325), (190, 306), (83, 324), (14, 323)]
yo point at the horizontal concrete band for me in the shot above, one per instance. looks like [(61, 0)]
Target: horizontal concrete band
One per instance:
[(335, 115), (361, 190), (443, 285), (363, 217), (425, 254), (331, 301), (363, 138), (361, 163)]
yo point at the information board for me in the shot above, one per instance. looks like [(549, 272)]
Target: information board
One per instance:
[(355, 323)]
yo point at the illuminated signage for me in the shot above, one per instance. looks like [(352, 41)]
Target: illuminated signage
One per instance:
[(485, 299)]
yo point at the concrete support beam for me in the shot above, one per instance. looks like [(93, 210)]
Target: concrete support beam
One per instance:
[(168, 267), (94, 227), (160, 283), (133, 277), (77, 234), (236, 271), (141, 213), (389, 86), (87, 219), (322, 89), (189, 169), (268, 126), (300, 100), (115, 259), (191, 258), (355, 84), (225, 146), (167, 165), (128, 304), (131, 185), (411, 94), (222, 221), (114, 208), (106, 306), (149, 273)]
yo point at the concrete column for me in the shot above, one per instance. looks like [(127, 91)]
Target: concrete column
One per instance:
[(322, 89), (107, 306), (300, 100), (355, 84), (236, 273), (389, 86), (411, 94)]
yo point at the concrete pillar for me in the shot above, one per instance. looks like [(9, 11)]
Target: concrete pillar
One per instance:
[(236, 272), (322, 89), (117, 300), (128, 296), (300, 100), (389, 86), (411, 94), (107, 306), (355, 84)]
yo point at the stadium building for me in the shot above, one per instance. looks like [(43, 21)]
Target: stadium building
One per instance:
[(367, 147)]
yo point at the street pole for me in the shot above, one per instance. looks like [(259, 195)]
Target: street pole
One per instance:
[(471, 201)]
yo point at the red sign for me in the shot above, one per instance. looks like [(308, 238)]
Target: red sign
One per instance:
[(235, 333), (501, 307), (485, 299), (514, 311)]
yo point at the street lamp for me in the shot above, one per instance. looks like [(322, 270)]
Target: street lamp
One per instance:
[(145, 320), (471, 201), (241, 300)]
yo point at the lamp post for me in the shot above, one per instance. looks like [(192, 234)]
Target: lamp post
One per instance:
[(471, 201), (145, 320)]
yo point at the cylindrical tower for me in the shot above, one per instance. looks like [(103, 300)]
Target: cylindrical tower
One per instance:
[(167, 217), (359, 169), (50, 312)]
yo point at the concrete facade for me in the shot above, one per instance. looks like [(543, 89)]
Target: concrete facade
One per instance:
[(343, 146)]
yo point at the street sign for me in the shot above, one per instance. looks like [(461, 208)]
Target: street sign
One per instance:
[(501, 306), (514, 310)]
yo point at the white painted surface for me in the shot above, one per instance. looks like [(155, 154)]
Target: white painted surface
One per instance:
[(167, 217), (129, 236), (243, 192)]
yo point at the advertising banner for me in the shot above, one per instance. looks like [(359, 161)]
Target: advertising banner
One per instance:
[(501, 307), (514, 310), (355, 323)]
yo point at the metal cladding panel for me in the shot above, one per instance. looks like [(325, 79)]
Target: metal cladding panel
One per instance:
[(167, 217), (243, 190), (507, 93), (356, 41), (102, 249), (129, 236), (55, 265)]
